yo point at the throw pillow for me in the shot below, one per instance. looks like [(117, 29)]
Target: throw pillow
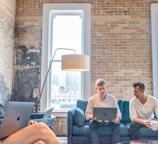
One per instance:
[(79, 117), (126, 117)]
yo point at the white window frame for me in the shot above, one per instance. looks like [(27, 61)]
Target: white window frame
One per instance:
[(86, 7), (154, 35)]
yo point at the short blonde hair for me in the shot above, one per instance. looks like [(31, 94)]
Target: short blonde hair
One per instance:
[(100, 82)]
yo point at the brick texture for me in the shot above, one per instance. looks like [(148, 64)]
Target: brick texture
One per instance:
[(60, 126), (7, 21)]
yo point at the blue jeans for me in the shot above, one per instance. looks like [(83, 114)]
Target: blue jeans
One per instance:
[(135, 131), (94, 125)]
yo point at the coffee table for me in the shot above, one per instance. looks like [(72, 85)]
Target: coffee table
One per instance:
[(140, 142)]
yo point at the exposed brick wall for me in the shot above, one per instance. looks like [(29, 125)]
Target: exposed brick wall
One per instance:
[(121, 51), (60, 126), (120, 44), (7, 21)]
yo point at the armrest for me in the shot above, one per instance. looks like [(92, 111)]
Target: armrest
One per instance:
[(37, 115), (70, 124)]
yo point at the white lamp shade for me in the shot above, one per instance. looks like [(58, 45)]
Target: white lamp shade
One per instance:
[(75, 62)]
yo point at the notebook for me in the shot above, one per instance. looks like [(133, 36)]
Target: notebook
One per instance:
[(16, 117), (104, 114), (47, 115)]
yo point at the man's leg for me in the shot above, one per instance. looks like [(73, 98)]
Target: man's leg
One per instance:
[(115, 135), (32, 134), (39, 142), (134, 130), (93, 132)]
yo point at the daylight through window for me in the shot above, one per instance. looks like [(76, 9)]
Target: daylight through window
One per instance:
[(66, 31)]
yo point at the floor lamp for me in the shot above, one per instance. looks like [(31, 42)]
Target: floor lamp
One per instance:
[(70, 62)]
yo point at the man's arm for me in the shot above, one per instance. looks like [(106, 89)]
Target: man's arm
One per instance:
[(89, 110), (134, 118), (147, 123), (116, 120), (118, 117), (156, 108)]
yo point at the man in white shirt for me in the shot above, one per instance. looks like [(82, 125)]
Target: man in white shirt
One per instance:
[(142, 109), (102, 99)]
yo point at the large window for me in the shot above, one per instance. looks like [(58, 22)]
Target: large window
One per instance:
[(154, 32), (64, 26), (66, 31)]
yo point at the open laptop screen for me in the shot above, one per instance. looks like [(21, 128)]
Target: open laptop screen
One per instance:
[(104, 114)]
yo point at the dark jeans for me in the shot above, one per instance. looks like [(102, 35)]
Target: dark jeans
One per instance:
[(134, 130), (94, 125)]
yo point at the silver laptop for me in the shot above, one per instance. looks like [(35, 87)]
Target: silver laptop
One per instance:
[(104, 114), (47, 115), (16, 117)]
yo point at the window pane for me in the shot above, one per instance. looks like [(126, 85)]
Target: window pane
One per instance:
[(65, 86), (67, 32)]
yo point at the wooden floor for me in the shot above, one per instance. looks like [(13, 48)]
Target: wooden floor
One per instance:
[(63, 140)]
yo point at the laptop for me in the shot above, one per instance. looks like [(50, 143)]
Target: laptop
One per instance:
[(104, 114), (16, 117), (47, 115)]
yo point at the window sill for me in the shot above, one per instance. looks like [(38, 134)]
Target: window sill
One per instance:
[(60, 112)]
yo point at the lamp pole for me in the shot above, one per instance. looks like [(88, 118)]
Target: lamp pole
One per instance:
[(37, 104)]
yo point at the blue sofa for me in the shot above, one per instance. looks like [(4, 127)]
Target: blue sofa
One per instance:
[(77, 128)]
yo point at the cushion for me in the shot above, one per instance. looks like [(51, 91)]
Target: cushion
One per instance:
[(80, 131), (79, 117), (126, 117), (82, 104), (120, 104)]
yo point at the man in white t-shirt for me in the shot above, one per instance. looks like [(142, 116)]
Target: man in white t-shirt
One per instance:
[(142, 109), (102, 99)]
